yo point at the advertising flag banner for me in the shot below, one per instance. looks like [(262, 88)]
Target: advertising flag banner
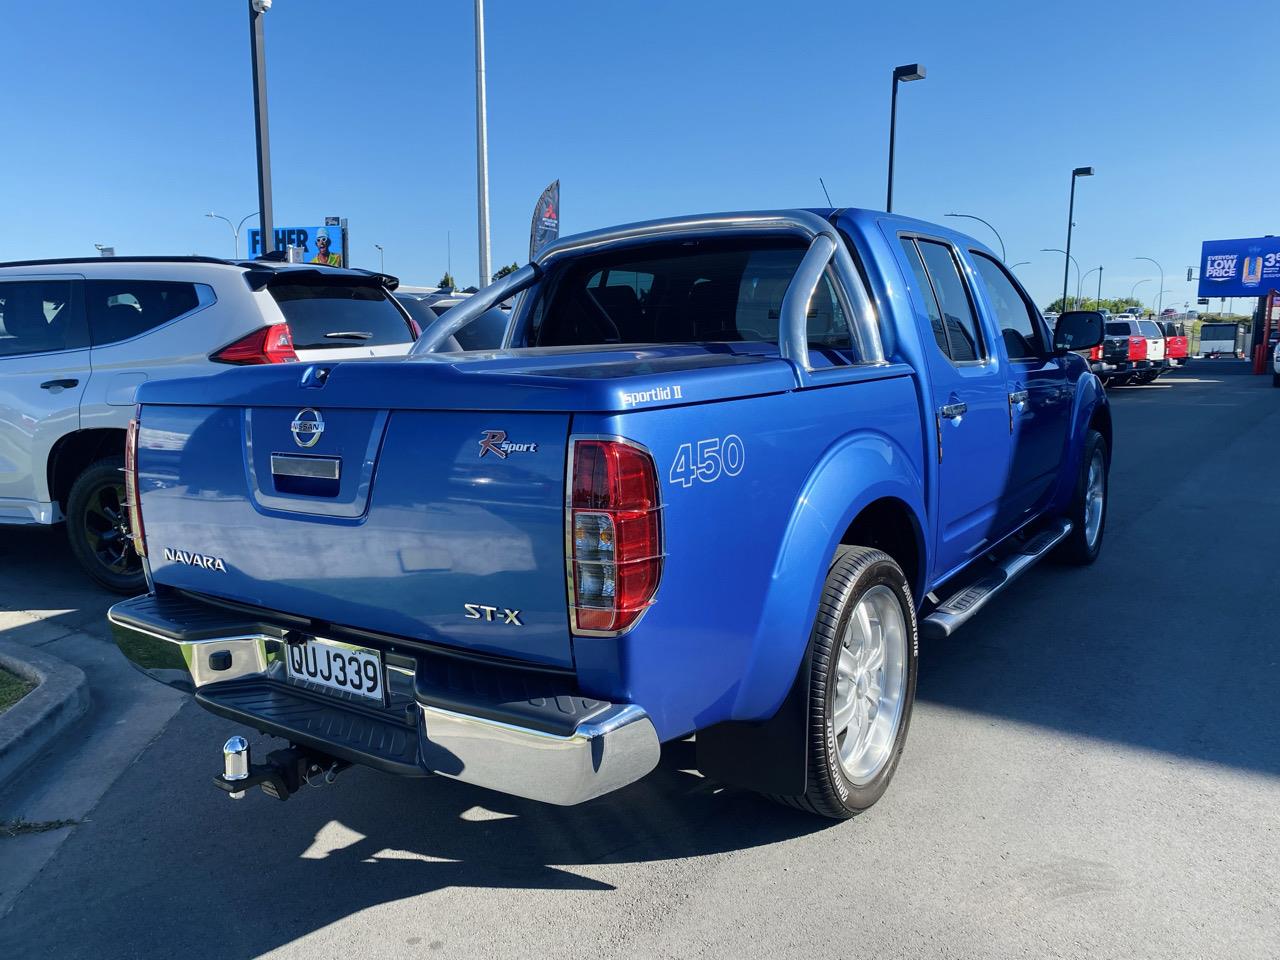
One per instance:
[(546, 219), (1239, 268), (313, 244)]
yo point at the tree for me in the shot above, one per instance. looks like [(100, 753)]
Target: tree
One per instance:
[(447, 281), (503, 271)]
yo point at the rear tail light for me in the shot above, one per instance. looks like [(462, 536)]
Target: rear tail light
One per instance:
[(270, 344), (133, 505), (1096, 353), (615, 536)]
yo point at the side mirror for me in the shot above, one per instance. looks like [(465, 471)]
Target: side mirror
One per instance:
[(1078, 330)]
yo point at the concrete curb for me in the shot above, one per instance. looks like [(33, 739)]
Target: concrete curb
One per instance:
[(33, 722)]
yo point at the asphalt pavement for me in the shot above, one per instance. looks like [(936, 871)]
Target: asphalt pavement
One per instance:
[(1093, 770)]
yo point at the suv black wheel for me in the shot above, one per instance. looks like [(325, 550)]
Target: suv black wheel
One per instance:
[(862, 684), (98, 527)]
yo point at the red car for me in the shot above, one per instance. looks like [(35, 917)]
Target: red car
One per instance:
[(1175, 349)]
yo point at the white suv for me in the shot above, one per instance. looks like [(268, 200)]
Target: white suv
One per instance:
[(78, 336)]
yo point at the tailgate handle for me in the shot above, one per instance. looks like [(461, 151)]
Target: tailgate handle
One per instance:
[(316, 468)]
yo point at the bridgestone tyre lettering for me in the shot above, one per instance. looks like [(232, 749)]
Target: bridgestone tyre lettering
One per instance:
[(857, 572)]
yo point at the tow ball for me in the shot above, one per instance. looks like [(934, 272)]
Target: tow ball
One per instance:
[(284, 773)]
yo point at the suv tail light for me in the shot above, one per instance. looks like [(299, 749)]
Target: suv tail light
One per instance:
[(270, 344), (615, 536), (1096, 353), (133, 505)]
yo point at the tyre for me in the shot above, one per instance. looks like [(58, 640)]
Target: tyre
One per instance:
[(98, 528), (862, 684), (1088, 512)]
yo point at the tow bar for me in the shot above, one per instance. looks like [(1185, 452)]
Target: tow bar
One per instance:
[(283, 774)]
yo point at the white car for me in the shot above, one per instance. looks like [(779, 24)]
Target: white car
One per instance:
[(1275, 365), (77, 337)]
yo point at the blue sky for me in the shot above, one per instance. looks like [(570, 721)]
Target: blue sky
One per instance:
[(125, 122)]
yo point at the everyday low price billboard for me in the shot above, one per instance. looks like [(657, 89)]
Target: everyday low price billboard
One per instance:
[(1240, 268)]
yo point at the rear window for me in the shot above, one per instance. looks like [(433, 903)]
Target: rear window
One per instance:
[(483, 333), (1118, 329), (340, 315), (692, 292)]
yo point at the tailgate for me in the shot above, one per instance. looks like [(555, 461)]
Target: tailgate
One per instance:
[(404, 522)]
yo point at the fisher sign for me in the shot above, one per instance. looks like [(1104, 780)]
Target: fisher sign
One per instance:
[(316, 244), (1239, 268)]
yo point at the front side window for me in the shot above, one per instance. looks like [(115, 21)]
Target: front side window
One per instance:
[(705, 291), (36, 316), (953, 300), (1018, 326), (120, 309)]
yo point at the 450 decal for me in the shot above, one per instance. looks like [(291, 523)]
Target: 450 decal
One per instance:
[(707, 460)]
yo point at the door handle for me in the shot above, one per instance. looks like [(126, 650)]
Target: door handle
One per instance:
[(65, 384), (1019, 397), (954, 411)]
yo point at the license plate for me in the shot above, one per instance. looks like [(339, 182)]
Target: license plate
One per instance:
[(337, 666)]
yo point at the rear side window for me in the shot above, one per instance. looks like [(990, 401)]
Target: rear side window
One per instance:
[(926, 292), (953, 301), (703, 292), (120, 309), (1019, 327), (1149, 328), (38, 316), (333, 315)]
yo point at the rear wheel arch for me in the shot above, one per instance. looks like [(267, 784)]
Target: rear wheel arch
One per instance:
[(75, 453), (890, 525)]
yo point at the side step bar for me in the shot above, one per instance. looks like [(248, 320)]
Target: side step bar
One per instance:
[(955, 611)]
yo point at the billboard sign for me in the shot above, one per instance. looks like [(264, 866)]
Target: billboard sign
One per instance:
[(314, 244), (1239, 268)]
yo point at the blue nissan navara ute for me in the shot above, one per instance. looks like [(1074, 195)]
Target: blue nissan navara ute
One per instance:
[(722, 475)]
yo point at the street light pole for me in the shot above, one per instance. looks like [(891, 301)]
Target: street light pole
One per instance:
[(1133, 291), (257, 44), (1088, 273), (382, 259), (1099, 301), (1071, 215), (999, 238), (1160, 295), (1020, 263), (903, 74), (235, 230), (1070, 260), (482, 149)]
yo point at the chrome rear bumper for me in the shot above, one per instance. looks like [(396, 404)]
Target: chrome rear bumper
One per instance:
[(611, 746)]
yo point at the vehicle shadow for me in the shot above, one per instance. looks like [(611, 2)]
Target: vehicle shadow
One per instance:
[(1167, 643), (259, 874)]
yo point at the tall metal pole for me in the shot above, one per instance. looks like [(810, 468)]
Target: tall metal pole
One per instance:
[(1066, 267), (482, 149), (893, 128), (257, 44), (1160, 295), (1099, 287)]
